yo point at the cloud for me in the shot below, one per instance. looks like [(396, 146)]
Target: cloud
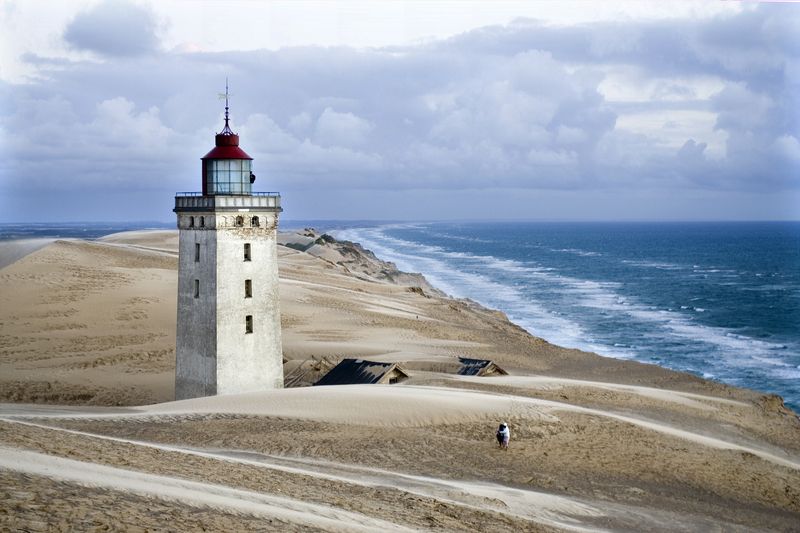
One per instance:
[(788, 147), (114, 28), (341, 129), (631, 108), (114, 146)]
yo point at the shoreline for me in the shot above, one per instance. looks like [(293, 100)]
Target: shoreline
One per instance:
[(13, 250), (602, 312), (586, 348), (87, 360)]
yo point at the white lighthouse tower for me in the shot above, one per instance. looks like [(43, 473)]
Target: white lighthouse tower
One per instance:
[(229, 335)]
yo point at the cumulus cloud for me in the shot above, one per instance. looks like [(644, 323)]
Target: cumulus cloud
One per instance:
[(114, 28), (113, 146), (341, 129), (640, 106), (788, 147)]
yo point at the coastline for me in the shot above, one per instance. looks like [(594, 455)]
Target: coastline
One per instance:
[(689, 305), (364, 265), (597, 442)]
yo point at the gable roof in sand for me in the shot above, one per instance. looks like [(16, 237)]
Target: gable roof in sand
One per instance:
[(359, 371), (479, 367)]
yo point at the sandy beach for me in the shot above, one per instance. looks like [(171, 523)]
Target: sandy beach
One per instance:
[(91, 438)]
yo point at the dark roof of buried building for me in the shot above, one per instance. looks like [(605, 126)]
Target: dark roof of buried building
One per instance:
[(357, 371), (473, 367)]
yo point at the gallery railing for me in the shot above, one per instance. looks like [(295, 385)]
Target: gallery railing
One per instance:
[(196, 201)]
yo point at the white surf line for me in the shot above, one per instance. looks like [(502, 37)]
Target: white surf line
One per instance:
[(190, 492), (529, 505)]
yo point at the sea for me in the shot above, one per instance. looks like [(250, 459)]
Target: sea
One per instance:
[(719, 300), (76, 230)]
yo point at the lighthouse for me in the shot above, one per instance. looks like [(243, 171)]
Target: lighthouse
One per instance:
[(228, 335)]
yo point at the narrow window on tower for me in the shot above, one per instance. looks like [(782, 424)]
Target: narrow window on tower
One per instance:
[(247, 251), (202, 222), (191, 222), (197, 288), (248, 324), (239, 221), (254, 222), (197, 252), (248, 288)]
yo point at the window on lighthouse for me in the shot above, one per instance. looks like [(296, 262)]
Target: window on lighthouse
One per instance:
[(228, 176)]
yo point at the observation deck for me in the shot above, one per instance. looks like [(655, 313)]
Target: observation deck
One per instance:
[(196, 201)]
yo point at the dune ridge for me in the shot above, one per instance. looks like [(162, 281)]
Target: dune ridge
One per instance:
[(597, 443)]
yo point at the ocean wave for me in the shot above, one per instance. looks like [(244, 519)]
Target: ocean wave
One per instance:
[(555, 312), (654, 264), (460, 238), (577, 251), (482, 288), (437, 265)]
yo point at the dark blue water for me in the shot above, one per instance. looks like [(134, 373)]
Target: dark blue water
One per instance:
[(721, 300), (80, 230)]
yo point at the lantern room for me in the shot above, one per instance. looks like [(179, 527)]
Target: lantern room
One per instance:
[(227, 169)]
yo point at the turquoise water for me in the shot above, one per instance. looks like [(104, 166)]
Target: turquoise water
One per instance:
[(721, 300)]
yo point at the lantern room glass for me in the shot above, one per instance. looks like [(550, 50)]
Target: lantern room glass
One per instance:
[(228, 176)]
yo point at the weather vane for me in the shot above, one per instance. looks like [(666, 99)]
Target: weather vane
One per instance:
[(227, 128)]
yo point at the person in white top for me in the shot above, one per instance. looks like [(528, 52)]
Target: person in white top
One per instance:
[(503, 436)]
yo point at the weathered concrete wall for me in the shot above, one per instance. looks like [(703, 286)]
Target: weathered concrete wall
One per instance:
[(248, 361), (215, 354), (195, 355)]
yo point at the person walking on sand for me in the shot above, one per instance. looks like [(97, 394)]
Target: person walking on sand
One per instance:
[(503, 436)]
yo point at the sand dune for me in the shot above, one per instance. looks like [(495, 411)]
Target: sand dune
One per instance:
[(406, 406), (597, 444), (11, 251), (525, 504), (697, 401), (568, 513), (194, 493)]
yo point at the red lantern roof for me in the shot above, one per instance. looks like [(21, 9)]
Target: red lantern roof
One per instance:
[(227, 147)]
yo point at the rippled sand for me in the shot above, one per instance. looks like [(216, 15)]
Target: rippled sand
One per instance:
[(596, 443)]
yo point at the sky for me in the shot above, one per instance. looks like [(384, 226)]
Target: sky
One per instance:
[(405, 110)]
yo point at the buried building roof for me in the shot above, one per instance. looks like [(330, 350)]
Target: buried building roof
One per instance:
[(479, 367), (358, 371)]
